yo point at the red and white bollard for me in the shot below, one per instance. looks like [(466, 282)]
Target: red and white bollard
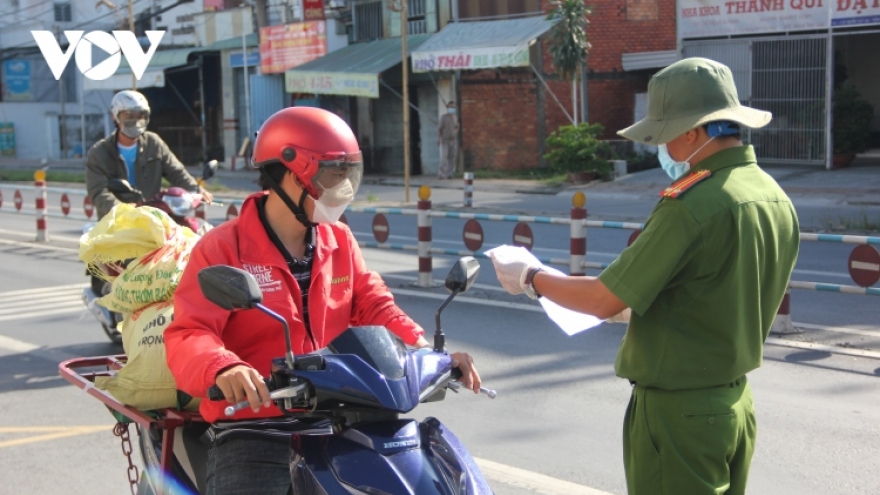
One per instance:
[(426, 269), (782, 322), (578, 244), (42, 210), (468, 189)]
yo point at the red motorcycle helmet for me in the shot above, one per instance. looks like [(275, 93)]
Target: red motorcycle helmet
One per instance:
[(316, 146)]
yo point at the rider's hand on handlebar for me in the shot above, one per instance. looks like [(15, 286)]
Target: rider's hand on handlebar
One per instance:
[(241, 383), (469, 375), (207, 197)]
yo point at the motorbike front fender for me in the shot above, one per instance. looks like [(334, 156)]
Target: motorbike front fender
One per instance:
[(400, 457)]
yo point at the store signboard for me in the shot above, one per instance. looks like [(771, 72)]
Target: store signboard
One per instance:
[(313, 10), (287, 46), (708, 18), (471, 58), (17, 80), (332, 83)]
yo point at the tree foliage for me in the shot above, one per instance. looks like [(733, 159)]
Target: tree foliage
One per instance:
[(568, 43)]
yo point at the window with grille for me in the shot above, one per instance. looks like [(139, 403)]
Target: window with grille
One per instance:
[(368, 21), (62, 12), (415, 17)]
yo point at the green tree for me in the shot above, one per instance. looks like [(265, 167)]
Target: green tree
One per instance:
[(568, 42)]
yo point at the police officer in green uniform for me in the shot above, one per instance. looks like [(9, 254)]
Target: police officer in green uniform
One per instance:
[(702, 283)]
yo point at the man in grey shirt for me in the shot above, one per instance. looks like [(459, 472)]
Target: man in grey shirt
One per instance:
[(447, 134)]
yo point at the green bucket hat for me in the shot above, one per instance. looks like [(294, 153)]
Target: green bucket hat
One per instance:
[(687, 94)]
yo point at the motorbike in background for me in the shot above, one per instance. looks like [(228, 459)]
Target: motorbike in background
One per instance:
[(178, 203), (349, 398)]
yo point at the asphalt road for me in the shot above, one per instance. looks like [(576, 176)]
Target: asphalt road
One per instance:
[(558, 414)]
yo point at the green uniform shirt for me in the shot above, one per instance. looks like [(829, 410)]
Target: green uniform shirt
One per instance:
[(706, 277)]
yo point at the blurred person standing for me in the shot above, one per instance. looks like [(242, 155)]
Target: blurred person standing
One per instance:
[(447, 135)]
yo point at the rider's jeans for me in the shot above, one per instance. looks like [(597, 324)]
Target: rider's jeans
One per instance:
[(249, 464)]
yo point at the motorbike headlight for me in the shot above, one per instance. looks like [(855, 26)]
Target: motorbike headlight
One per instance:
[(179, 205)]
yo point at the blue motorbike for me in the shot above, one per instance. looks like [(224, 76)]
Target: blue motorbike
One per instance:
[(355, 390)]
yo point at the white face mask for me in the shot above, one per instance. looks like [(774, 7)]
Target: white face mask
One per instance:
[(333, 202), (133, 128), (673, 168)]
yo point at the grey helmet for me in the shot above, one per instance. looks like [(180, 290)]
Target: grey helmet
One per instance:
[(132, 101)]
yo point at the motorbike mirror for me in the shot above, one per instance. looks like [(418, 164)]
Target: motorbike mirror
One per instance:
[(119, 186), (463, 275), (230, 287), (209, 170)]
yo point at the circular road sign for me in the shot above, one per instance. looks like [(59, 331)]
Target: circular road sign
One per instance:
[(632, 237), (522, 236), (864, 265), (65, 204), (380, 228), (88, 207), (18, 200), (231, 212), (472, 235)]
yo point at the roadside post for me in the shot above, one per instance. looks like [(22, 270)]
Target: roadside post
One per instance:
[(42, 211)]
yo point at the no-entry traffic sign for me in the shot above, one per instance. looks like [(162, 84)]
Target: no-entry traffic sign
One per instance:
[(231, 212), (633, 236), (88, 207), (18, 200), (65, 204), (380, 228), (472, 235), (864, 265), (522, 236)]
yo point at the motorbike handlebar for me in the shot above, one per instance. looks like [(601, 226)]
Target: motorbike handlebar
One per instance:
[(215, 394)]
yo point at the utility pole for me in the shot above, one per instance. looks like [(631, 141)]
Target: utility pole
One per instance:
[(247, 74), (131, 28), (404, 64), (62, 127)]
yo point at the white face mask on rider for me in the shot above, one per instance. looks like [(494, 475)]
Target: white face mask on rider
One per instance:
[(333, 202)]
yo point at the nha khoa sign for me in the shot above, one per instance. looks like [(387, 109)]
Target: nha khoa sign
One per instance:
[(117, 45), (703, 18)]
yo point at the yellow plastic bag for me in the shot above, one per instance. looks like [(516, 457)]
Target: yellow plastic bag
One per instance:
[(128, 232), (150, 278), (145, 382)]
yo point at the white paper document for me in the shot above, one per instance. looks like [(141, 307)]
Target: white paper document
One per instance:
[(571, 322)]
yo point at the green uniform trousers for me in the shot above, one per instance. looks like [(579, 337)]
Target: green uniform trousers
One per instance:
[(689, 442)]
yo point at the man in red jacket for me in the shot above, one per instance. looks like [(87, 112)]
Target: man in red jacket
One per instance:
[(310, 270)]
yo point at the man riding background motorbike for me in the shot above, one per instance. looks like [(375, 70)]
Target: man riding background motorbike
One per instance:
[(128, 166), (135, 154)]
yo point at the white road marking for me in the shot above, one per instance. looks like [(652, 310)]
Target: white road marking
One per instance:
[(44, 301), (531, 481), (34, 245)]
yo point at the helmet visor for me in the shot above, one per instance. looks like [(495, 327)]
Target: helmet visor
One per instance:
[(133, 114), (335, 169)]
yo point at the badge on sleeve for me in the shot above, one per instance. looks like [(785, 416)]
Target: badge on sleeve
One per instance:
[(687, 182)]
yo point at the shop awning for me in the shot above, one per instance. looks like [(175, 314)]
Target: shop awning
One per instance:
[(350, 71), (480, 45), (649, 60), (153, 77)]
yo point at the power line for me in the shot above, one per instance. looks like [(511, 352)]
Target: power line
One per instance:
[(22, 9), (29, 47)]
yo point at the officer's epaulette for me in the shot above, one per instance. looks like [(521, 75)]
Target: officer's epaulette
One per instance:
[(677, 189)]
